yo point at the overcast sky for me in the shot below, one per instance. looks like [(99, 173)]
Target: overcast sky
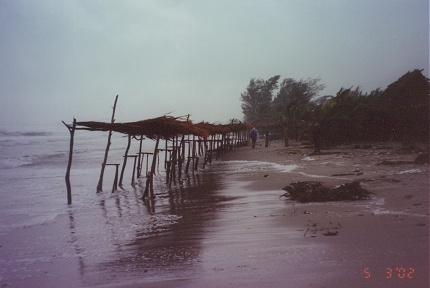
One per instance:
[(65, 59)]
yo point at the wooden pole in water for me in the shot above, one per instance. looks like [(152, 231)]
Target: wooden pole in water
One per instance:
[(69, 165), (100, 184), (173, 157), (125, 161), (194, 152), (115, 181), (149, 180), (181, 152), (189, 154), (134, 170), (139, 165)]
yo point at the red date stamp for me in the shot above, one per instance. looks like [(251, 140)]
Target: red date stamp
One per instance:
[(391, 273)]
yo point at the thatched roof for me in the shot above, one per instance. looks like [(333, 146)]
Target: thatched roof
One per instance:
[(212, 128), (222, 129), (237, 127), (165, 126)]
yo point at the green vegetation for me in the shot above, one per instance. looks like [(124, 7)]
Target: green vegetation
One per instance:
[(400, 113)]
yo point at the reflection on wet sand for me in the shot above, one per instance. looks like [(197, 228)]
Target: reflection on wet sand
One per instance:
[(161, 236), (73, 241)]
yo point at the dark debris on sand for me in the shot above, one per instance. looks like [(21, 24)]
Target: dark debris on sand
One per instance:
[(313, 191)]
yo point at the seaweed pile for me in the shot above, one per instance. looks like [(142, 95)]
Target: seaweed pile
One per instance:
[(313, 191)]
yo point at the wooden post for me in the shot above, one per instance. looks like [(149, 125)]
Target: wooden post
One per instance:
[(173, 157), (115, 181), (211, 147), (100, 184), (147, 160), (196, 165), (125, 161), (149, 181), (194, 152), (69, 165), (181, 151), (168, 164), (134, 169), (139, 163), (205, 152), (189, 155)]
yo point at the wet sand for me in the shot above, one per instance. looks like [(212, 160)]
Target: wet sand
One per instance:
[(262, 240), (227, 226), (382, 242)]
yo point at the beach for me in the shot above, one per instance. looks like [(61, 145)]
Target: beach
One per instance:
[(369, 243), (229, 226)]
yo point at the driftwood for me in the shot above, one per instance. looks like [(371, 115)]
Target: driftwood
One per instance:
[(312, 191)]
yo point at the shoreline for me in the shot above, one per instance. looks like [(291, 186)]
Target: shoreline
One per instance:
[(263, 240), (227, 226)]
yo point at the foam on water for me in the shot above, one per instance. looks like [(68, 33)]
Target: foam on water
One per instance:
[(319, 176), (410, 171), (307, 158), (243, 166), (375, 206)]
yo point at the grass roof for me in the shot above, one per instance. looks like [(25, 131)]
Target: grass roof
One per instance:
[(166, 127)]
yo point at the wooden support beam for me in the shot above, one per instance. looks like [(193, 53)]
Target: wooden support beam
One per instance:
[(115, 181), (173, 160), (168, 165), (139, 162), (194, 153), (142, 158), (205, 149), (149, 188), (134, 169), (147, 160), (100, 184), (196, 164), (69, 164), (125, 161), (181, 152)]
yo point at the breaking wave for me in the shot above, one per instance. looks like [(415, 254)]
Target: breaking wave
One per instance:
[(25, 134), (31, 161)]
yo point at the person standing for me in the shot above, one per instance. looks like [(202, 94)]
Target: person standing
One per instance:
[(253, 135)]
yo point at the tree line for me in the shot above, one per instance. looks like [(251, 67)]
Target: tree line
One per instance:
[(295, 109)]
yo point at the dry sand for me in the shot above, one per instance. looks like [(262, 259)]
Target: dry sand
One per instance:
[(263, 240)]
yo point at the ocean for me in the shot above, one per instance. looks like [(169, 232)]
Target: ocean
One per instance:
[(38, 230)]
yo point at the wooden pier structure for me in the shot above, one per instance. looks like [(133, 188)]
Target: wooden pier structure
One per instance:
[(187, 147)]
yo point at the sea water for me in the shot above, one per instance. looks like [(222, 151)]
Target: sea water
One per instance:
[(37, 225), (33, 164)]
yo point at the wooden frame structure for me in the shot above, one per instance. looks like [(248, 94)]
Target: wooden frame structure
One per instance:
[(185, 144)]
